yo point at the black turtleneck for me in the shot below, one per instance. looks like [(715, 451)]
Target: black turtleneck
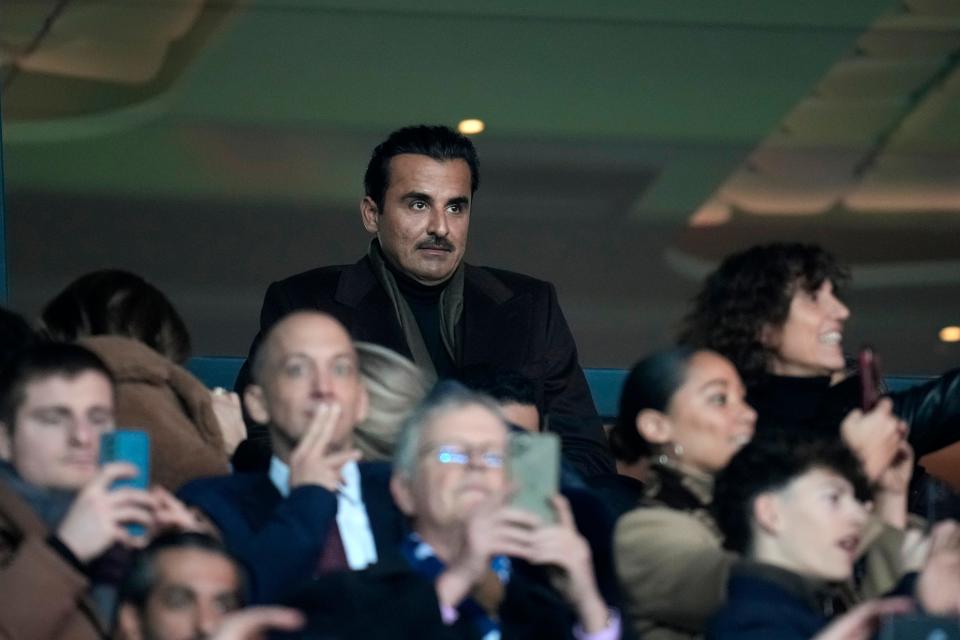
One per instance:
[(424, 302)]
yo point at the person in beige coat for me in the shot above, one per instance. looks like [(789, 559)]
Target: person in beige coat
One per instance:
[(685, 410), (135, 329)]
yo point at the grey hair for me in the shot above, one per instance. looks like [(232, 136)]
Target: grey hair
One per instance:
[(446, 397), (394, 385)]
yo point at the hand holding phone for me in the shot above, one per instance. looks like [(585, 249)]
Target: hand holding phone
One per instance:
[(533, 462), (132, 447)]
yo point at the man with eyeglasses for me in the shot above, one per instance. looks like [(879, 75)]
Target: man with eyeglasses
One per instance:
[(316, 510), (473, 567)]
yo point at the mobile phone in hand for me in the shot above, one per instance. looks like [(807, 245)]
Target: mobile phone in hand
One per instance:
[(870, 379), (533, 463), (132, 447)]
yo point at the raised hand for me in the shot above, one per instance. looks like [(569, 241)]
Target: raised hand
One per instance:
[(938, 586), (172, 515), (96, 519), (252, 623), (874, 436), (562, 547), (313, 461), (226, 406), (491, 530), (863, 621)]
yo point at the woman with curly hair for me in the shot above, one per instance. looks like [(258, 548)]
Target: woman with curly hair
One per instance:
[(776, 312)]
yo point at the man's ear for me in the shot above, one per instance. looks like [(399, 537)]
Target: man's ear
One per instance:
[(766, 512), (654, 426), (256, 404), (370, 214), (128, 623), (6, 443), (402, 494)]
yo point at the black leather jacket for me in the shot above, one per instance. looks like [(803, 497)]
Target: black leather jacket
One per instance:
[(931, 409)]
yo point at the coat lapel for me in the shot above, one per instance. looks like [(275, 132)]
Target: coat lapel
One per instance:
[(372, 316)]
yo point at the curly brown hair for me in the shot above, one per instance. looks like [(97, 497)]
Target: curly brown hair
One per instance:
[(751, 289)]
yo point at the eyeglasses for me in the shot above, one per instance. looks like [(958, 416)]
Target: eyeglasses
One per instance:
[(461, 455)]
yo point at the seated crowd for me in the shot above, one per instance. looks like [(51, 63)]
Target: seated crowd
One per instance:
[(359, 484)]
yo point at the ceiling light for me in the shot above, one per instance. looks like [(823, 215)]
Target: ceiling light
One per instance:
[(950, 334), (471, 126)]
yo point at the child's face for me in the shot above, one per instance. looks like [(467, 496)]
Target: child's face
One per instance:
[(816, 525)]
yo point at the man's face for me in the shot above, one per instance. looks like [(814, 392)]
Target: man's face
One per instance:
[(195, 588), (425, 218), (460, 466), (55, 440), (310, 360)]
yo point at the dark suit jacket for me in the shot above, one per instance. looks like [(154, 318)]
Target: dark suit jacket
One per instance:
[(338, 607), (280, 540), (761, 608), (509, 320)]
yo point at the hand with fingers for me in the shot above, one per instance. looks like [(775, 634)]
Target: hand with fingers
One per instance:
[(938, 585), (97, 518), (172, 515), (863, 621), (562, 547), (314, 460), (226, 407), (874, 436), (252, 623), (492, 529), (891, 488)]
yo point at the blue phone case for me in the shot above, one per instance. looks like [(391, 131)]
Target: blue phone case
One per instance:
[(132, 447)]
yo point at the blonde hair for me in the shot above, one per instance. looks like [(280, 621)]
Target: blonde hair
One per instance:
[(395, 386)]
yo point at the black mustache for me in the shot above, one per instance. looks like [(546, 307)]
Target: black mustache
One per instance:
[(438, 243)]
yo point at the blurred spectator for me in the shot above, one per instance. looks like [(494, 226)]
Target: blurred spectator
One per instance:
[(138, 333), (514, 392), (685, 410), (394, 385), (775, 310), (179, 588), (58, 514), (315, 510), (793, 506), (473, 564)]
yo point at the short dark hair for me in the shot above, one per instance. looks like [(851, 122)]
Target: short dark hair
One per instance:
[(751, 289), (39, 361), (437, 142), (141, 578), (769, 463), (115, 302), (650, 384), (503, 385)]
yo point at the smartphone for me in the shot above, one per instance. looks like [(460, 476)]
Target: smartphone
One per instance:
[(871, 382), (132, 447), (919, 625), (533, 464)]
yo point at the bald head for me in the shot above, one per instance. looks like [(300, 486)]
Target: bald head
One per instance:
[(305, 360)]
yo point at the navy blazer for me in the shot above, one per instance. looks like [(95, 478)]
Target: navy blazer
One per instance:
[(280, 540)]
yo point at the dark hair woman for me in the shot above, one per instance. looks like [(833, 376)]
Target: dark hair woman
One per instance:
[(135, 329), (776, 311), (685, 410)]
